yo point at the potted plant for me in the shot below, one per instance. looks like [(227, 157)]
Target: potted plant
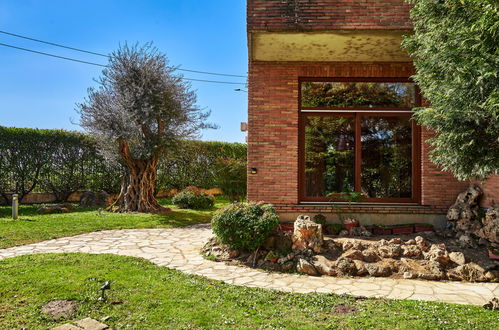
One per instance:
[(493, 252), (272, 257), (349, 223), (287, 226), (334, 228), (402, 229), (420, 227), (382, 230)]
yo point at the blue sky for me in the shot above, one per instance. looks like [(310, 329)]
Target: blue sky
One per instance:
[(39, 91)]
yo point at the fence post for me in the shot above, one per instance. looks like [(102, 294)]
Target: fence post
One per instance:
[(15, 207)]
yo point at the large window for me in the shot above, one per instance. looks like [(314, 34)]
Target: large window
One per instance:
[(359, 136)]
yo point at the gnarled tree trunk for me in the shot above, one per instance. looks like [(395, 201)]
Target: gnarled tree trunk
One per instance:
[(137, 187)]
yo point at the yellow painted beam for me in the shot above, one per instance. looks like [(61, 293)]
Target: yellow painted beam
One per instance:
[(329, 46)]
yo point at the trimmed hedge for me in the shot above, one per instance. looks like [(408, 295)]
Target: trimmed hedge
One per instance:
[(193, 198), (61, 162)]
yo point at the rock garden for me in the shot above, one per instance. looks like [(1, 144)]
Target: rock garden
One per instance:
[(466, 250)]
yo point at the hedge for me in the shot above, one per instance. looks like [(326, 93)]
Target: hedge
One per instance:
[(61, 162)]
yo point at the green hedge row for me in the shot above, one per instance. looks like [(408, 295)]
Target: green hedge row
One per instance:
[(61, 162)]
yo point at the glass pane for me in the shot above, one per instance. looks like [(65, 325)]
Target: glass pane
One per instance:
[(386, 157), (358, 94), (329, 155)]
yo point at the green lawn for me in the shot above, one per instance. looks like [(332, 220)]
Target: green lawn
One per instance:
[(145, 296), (33, 227)]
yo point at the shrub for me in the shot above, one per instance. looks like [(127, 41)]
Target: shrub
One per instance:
[(320, 219), (245, 226), (193, 198)]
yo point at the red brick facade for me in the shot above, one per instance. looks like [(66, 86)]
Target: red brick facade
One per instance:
[(273, 108), (285, 15)]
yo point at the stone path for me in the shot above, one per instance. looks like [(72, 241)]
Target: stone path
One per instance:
[(179, 249)]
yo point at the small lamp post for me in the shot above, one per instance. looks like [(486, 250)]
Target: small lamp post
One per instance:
[(15, 207)]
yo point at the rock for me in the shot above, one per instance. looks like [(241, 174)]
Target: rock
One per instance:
[(378, 270), (421, 243), (269, 243), (56, 208), (360, 267), (383, 242), (233, 253), (396, 240), (91, 324), (468, 272), (490, 229), (287, 266), (345, 266), (463, 213), (323, 265), (94, 198), (283, 241), (305, 267), (307, 235), (437, 253), (409, 275), (492, 276), (60, 308), (411, 251), (370, 255), (389, 251), (353, 254), (493, 304), (411, 242), (466, 241), (360, 231), (344, 233), (483, 242), (457, 257)]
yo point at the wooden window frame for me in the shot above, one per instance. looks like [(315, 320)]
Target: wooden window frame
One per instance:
[(358, 113)]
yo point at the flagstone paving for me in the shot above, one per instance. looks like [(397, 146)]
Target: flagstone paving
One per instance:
[(179, 249)]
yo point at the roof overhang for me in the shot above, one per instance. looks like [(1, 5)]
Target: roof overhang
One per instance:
[(329, 46)]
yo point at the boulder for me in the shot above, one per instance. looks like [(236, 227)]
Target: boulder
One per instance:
[(492, 304), (353, 254), (438, 253), (378, 270), (466, 241), (56, 208), (463, 214), (421, 243), (457, 257), (411, 251), (359, 231), (323, 265), (389, 251), (360, 267), (490, 229), (94, 199), (307, 235), (370, 255), (468, 272), (345, 266), (305, 267), (287, 266)]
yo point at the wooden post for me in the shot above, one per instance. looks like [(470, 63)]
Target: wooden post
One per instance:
[(15, 207)]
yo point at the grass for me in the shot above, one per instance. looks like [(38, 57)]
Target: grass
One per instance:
[(145, 296), (32, 227)]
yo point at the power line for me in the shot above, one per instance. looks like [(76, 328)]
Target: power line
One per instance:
[(107, 56), (102, 65)]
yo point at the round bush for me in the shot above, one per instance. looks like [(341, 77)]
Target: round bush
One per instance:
[(245, 226), (193, 198)]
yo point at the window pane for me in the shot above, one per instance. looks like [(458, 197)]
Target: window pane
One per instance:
[(386, 157), (329, 155), (358, 94)]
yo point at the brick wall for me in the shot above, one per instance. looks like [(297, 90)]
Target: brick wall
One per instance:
[(273, 136), (282, 15)]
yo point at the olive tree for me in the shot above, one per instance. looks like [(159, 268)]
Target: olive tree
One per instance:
[(456, 54), (140, 108)]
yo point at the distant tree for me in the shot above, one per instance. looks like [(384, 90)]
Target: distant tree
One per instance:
[(456, 54), (140, 109)]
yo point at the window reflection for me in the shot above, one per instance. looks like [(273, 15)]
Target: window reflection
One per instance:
[(329, 155), (386, 157), (358, 94)]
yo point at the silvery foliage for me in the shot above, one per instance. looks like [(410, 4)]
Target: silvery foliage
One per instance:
[(142, 100)]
